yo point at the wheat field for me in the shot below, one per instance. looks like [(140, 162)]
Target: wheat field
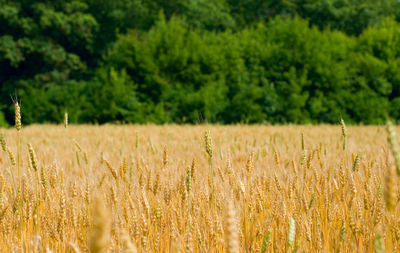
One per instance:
[(207, 188)]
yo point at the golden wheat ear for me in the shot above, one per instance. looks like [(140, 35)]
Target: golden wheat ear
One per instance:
[(17, 109), (100, 235), (344, 133), (232, 238)]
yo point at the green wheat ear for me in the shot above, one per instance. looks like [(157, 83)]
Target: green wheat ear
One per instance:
[(65, 119), (265, 243), (292, 232), (3, 142), (343, 230), (379, 243)]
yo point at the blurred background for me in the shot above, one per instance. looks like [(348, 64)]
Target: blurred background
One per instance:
[(195, 61)]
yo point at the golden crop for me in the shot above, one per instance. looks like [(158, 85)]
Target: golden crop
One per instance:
[(203, 188)]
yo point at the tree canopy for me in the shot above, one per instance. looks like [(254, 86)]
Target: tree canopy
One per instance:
[(190, 61)]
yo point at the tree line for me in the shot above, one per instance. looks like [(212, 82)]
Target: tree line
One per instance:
[(194, 61)]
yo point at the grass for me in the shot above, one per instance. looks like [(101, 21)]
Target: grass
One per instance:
[(174, 189)]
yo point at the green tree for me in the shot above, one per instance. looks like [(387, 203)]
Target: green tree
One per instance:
[(350, 16), (43, 43)]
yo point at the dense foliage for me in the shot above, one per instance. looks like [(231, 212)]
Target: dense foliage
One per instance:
[(190, 61)]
